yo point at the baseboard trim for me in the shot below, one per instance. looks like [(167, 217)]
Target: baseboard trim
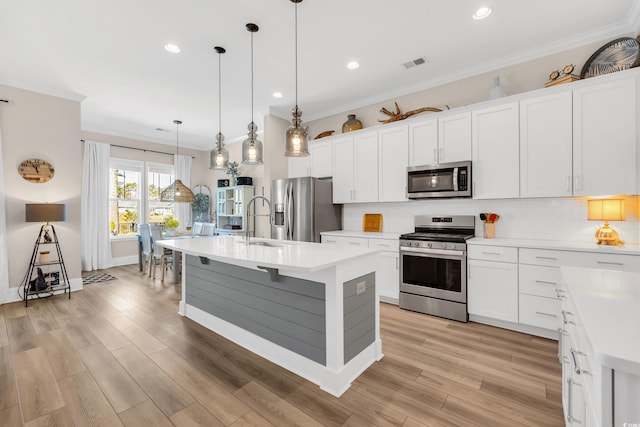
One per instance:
[(13, 295), (125, 260)]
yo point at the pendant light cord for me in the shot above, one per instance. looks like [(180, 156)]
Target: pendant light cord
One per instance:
[(219, 95), (296, 52), (251, 77)]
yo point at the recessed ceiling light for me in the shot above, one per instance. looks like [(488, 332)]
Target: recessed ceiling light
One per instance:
[(353, 65), (277, 94), (172, 48), (482, 13)]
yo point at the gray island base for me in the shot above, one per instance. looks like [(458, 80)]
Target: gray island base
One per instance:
[(313, 311)]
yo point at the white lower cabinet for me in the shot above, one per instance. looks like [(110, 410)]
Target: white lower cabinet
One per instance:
[(388, 268), (492, 285), (539, 305)]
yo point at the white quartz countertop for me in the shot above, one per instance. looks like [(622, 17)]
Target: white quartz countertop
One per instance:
[(627, 249), (607, 302), (286, 255), (365, 234)]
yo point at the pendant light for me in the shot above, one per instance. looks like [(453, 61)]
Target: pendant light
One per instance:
[(296, 136), (177, 192), (251, 147), (219, 157)]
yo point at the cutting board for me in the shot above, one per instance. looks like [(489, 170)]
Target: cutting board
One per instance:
[(372, 222)]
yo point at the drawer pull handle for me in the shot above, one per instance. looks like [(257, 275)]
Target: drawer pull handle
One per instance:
[(329, 241), (546, 314), (576, 367), (547, 257), (542, 282), (355, 243), (560, 294), (610, 263), (491, 253), (564, 317)]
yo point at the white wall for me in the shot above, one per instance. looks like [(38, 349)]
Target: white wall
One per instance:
[(40, 126), (562, 219)]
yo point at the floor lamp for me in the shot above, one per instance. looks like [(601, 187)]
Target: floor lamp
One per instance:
[(47, 213)]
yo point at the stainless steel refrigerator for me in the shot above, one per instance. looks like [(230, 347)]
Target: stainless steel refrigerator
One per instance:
[(302, 208)]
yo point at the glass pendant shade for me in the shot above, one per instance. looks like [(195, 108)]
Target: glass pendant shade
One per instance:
[(296, 142), (296, 137), (219, 156), (177, 192), (252, 151), (251, 147)]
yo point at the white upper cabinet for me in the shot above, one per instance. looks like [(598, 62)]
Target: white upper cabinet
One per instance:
[(446, 139), (298, 166), (423, 142), (366, 167), (343, 163), (495, 152), (393, 155), (545, 146), (355, 168), (318, 163), (454, 138), (605, 138), (321, 158)]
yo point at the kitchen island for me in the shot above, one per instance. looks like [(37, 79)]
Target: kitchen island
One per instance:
[(310, 308)]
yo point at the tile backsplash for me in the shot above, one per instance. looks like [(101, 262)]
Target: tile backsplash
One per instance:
[(546, 219)]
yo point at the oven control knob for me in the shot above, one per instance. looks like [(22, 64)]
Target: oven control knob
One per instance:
[(416, 244), (430, 245), (443, 245)]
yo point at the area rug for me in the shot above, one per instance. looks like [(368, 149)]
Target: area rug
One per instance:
[(91, 278)]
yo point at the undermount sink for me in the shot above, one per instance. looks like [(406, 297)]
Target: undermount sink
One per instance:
[(263, 243)]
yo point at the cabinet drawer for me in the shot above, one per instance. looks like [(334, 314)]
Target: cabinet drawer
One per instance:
[(391, 245), (546, 257), (493, 253), (346, 241), (555, 258), (538, 280), (540, 311)]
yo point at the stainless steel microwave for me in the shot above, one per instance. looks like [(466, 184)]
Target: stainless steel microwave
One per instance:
[(439, 180)]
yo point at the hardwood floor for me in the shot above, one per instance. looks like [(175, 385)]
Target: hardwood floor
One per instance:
[(117, 353)]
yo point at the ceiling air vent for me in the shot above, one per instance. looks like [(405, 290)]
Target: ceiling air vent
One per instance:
[(415, 62)]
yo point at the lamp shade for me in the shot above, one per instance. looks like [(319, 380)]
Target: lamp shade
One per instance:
[(45, 212), (606, 210), (177, 192)]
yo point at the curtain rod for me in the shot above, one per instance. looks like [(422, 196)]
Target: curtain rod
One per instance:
[(140, 149)]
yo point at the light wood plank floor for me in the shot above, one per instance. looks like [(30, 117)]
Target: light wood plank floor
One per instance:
[(117, 353)]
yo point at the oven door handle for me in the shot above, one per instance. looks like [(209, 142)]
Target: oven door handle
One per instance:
[(422, 251)]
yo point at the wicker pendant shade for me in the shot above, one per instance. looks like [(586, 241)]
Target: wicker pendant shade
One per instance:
[(177, 192)]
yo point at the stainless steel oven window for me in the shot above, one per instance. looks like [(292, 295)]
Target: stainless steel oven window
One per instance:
[(437, 275)]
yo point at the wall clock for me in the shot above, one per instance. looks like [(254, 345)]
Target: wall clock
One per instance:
[(36, 171), (617, 55)]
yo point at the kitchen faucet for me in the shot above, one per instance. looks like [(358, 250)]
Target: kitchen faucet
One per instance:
[(252, 200)]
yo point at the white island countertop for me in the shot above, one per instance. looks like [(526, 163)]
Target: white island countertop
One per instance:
[(608, 304), (285, 254)]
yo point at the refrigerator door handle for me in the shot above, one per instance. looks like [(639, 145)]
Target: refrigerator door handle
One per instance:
[(289, 208)]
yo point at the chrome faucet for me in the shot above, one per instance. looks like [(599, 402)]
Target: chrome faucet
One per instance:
[(252, 200)]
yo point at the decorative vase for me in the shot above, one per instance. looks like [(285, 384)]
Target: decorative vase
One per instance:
[(497, 91), (351, 124), (44, 257), (233, 180)]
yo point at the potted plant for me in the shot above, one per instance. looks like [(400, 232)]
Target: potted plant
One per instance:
[(233, 172)]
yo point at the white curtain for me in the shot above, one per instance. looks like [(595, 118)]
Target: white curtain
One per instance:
[(183, 173), (4, 261), (94, 223)]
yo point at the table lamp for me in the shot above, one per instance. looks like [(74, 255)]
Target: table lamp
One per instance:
[(606, 210)]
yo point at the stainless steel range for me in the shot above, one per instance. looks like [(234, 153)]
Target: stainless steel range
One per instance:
[(433, 266)]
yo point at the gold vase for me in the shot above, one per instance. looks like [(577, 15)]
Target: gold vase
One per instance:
[(351, 124)]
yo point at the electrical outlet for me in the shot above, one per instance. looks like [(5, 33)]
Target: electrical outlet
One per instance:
[(361, 287)]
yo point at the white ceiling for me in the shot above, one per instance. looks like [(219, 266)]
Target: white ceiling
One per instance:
[(110, 53)]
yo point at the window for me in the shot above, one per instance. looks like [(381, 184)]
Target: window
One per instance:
[(134, 195), (124, 197), (159, 177)]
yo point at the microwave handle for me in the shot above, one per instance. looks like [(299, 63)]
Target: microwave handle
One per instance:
[(455, 179)]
